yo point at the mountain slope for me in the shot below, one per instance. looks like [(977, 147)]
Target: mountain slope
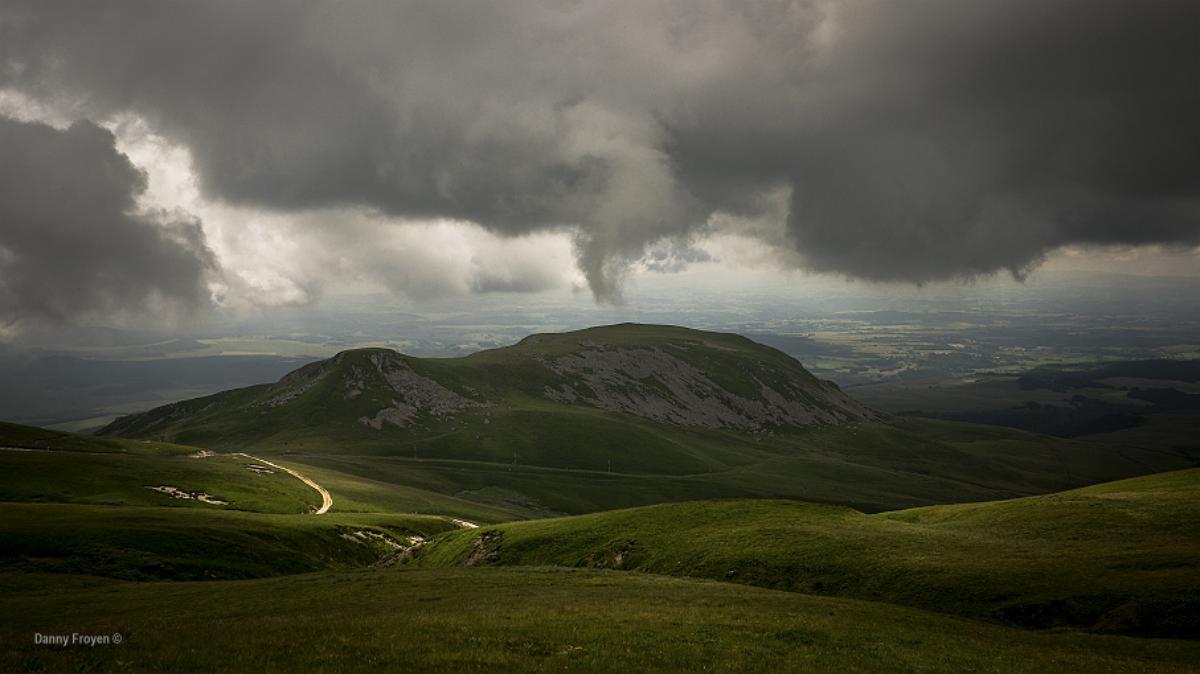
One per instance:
[(375, 398), (621, 416)]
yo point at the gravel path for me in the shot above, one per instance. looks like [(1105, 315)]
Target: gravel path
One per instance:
[(326, 498)]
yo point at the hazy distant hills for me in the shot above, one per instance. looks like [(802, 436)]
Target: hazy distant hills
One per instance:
[(1148, 403)]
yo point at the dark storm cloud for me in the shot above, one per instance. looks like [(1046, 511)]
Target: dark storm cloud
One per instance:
[(944, 139), (71, 242), (999, 131), (920, 140)]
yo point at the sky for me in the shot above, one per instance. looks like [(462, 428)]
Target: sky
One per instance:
[(164, 163)]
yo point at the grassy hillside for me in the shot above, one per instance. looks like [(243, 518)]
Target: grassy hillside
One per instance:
[(121, 479), (84, 505), (17, 436), (621, 416), (488, 620), (68, 468), (594, 394), (871, 466), (1121, 557), (1116, 557), (138, 543)]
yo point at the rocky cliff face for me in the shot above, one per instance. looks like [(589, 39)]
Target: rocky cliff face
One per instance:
[(415, 394), (655, 384)]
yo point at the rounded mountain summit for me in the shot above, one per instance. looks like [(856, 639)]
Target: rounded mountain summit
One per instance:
[(562, 400)]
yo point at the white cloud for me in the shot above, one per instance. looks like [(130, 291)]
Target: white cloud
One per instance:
[(272, 258)]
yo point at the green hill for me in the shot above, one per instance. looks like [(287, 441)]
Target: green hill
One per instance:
[(41, 466), (17, 436), (147, 543), (574, 400), (98, 506), (621, 416), (870, 466), (1120, 557)]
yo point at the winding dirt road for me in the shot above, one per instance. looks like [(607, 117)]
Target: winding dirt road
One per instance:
[(326, 498)]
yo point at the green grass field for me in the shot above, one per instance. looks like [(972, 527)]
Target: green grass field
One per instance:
[(260, 584), (871, 466), (140, 543), (1119, 557), (82, 505), (488, 620), (124, 479), (31, 437), (86, 470)]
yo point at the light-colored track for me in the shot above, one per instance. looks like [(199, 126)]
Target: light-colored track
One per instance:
[(326, 497)]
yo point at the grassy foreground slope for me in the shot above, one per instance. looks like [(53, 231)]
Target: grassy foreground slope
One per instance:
[(84, 505), (39, 466), (1119, 557), (114, 479), (138, 543), (82, 517), (127, 479), (488, 620)]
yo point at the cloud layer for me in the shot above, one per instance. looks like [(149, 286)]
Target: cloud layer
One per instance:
[(912, 141), (73, 243)]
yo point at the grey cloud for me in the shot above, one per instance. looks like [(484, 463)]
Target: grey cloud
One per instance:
[(919, 140), (949, 139), (524, 280), (671, 256), (72, 243)]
